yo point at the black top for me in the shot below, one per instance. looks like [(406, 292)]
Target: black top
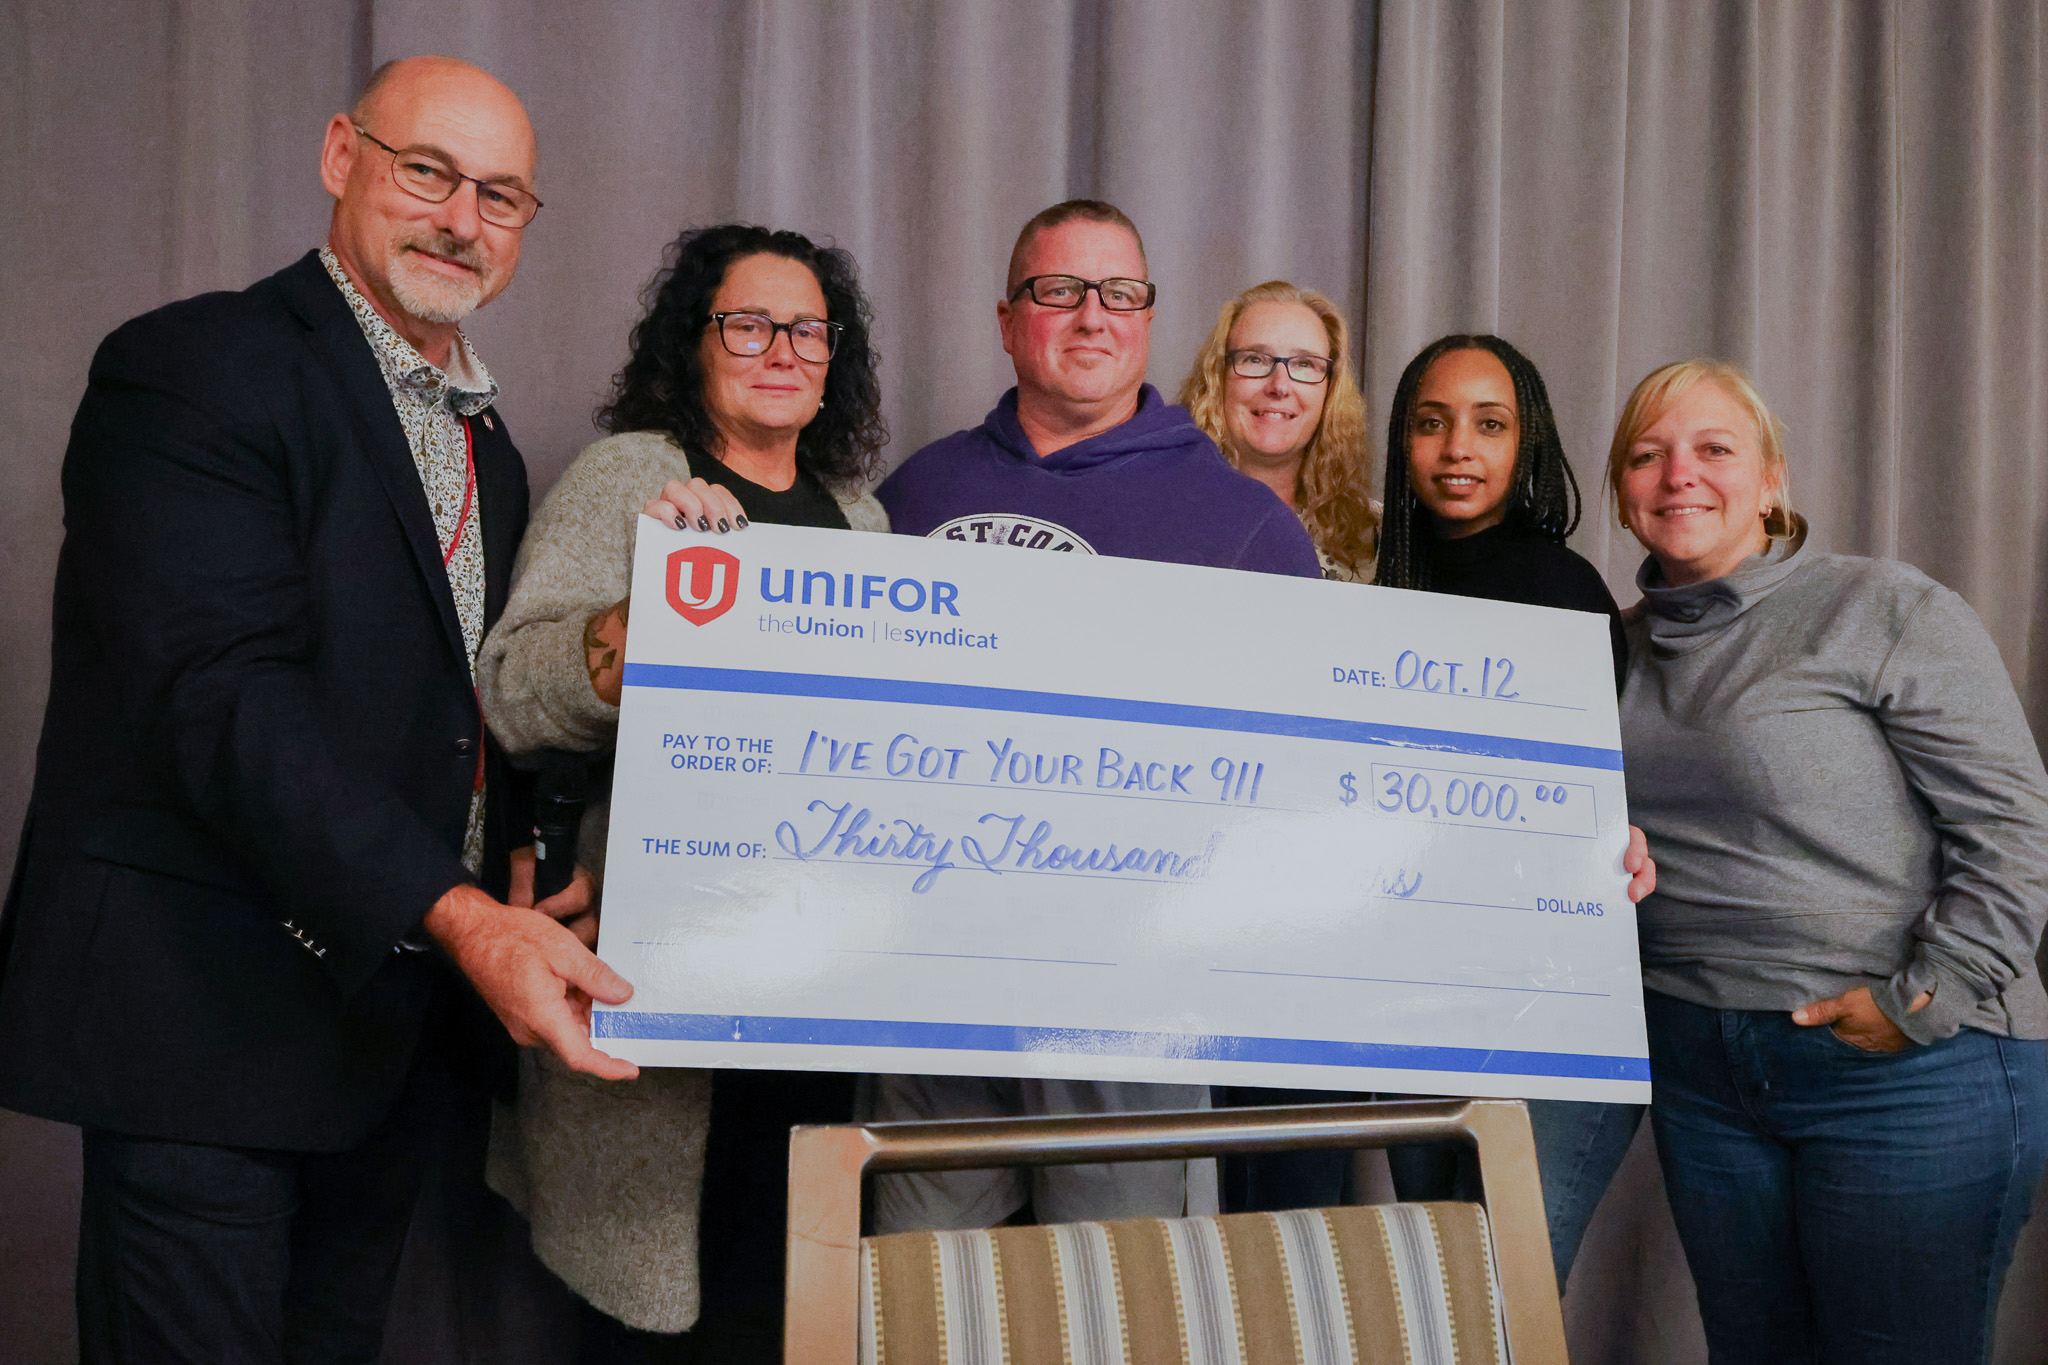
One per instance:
[(803, 503), (1509, 564), (746, 1160)]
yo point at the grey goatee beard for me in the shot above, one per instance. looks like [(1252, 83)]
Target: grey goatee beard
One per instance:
[(424, 292)]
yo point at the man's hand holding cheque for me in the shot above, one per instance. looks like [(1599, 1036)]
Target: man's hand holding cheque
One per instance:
[(536, 973)]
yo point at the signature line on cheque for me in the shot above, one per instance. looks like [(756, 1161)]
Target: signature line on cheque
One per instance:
[(977, 957), (1400, 981)]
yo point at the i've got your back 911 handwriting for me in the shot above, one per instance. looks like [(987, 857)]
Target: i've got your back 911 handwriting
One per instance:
[(906, 758), (1108, 770)]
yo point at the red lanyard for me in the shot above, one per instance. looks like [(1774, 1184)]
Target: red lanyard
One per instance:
[(448, 557), (468, 494)]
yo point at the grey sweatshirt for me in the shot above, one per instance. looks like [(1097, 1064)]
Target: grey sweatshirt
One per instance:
[(1840, 790)]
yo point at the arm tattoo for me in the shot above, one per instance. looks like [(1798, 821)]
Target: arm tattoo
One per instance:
[(594, 641)]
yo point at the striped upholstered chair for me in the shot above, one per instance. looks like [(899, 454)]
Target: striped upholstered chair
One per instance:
[(1411, 1283)]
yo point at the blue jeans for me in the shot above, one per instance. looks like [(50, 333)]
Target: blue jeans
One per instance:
[(1838, 1205), (1579, 1146)]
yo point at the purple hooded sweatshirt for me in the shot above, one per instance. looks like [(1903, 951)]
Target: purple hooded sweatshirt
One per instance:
[(1155, 487)]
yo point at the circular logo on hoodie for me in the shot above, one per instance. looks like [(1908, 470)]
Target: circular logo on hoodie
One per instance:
[(1000, 528)]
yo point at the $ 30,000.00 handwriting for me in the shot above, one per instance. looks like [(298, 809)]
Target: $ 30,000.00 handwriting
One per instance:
[(1474, 800)]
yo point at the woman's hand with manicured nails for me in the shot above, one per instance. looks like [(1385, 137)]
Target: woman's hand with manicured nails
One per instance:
[(696, 506)]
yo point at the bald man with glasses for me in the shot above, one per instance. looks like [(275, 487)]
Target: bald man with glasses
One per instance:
[(267, 818)]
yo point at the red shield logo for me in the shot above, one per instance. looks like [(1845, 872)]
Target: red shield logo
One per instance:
[(702, 583)]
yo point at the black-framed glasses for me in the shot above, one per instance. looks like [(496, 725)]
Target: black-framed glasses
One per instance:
[(751, 334), (1302, 369), (424, 175), (1071, 291)]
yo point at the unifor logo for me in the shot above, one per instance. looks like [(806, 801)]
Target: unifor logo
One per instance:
[(702, 583)]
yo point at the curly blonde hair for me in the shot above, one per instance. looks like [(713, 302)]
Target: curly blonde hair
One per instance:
[(1334, 496)]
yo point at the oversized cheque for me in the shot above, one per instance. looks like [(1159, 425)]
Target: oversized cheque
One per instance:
[(890, 804)]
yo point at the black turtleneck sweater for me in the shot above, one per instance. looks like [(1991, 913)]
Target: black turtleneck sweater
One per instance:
[(1509, 564)]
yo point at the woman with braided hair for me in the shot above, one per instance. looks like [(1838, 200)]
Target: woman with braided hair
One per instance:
[(1479, 500), (1479, 495)]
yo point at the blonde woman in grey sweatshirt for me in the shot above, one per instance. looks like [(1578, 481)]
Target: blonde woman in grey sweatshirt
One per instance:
[(1850, 822), (750, 395)]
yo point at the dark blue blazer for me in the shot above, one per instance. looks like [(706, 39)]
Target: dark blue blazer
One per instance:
[(260, 741)]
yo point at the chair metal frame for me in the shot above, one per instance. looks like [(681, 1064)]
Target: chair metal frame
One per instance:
[(826, 1166)]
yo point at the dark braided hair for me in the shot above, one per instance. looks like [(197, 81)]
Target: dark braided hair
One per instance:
[(1543, 497), (661, 387)]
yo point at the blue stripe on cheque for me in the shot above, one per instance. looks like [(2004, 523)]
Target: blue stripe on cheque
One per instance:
[(1114, 708), (728, 1028)]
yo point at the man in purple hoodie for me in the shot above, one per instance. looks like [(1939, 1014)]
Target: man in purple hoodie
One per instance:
[(1083, 456)]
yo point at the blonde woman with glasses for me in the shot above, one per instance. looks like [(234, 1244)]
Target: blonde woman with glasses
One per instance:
[(1273, 387)]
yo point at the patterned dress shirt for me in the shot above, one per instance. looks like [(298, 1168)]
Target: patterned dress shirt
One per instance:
[(432, 405)]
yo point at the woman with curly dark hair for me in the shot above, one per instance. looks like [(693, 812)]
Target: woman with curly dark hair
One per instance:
[(682, 380), (749, 395)]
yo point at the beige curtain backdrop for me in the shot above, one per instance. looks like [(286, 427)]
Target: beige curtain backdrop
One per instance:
[(1850, 199)]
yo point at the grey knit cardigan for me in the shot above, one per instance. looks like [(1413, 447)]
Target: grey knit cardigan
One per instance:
[(607, 1172)]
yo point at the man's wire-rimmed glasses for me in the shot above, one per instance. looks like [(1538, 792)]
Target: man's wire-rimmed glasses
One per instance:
[(1302, 369), (751, 334), (423, 175), (1071, 291)]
